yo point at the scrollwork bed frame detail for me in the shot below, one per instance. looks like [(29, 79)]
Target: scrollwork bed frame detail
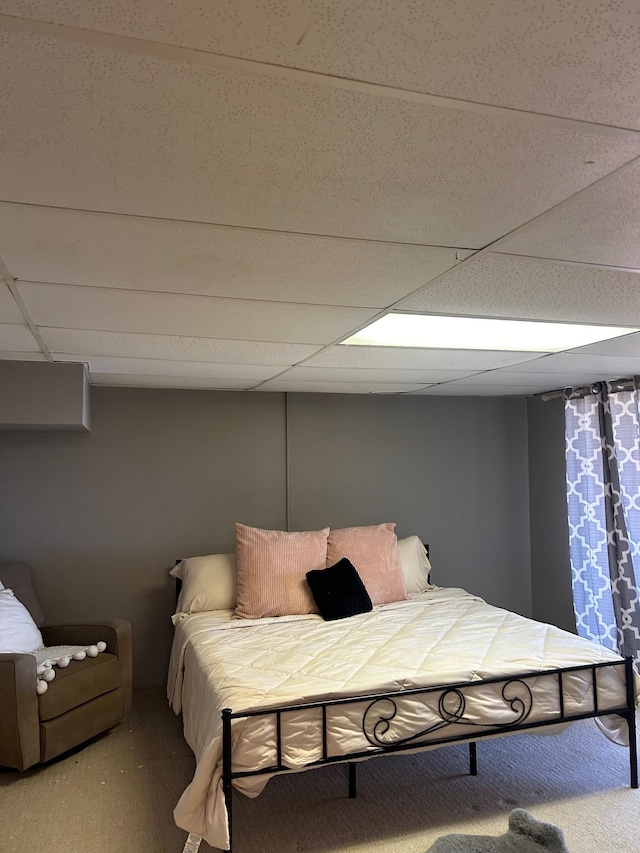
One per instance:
[(452, 706), (448, 716)]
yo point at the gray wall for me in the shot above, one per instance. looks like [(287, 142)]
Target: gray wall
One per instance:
[(451, 469), (102, 516), (550, 565), (163, 474)]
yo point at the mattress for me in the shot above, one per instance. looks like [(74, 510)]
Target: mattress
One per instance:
[(440, 637)]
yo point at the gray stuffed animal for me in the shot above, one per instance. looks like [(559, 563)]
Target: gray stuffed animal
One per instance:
[(526, 835)]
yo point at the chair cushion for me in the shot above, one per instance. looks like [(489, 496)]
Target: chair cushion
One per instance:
[(80, 724), (78, 683)]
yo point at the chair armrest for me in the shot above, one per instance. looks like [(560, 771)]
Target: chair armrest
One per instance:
[(19, 720), (116, 633)]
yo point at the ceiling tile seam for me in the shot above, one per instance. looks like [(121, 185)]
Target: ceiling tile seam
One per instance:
[(619, 170), (201, 295), (485, 250), (94, 372), (45, 326), (373, 381), (10, 281), (570, 262), (182, 361), (230, 226), (179, 53)]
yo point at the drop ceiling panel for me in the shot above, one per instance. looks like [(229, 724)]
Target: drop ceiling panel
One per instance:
[(493, 285), (576, 58), (367, 375), (460, 389), (249, 373), (137, 134), (9, 311), (72, 247), (8, 355), (338, 387), (172, 347), (144, 380), (409, 358), (103, 309), (540, 381), (628, 345), (18, 338), (599, 226), (595, 366)]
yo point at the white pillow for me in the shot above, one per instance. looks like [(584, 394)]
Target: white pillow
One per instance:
[(208, 583), (415, 564), (19, 634)]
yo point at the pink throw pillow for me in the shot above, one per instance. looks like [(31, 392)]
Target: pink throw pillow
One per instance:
[(272, 567), (374, 552)]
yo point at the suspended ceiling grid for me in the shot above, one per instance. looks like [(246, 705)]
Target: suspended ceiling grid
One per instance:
[(215, 195)]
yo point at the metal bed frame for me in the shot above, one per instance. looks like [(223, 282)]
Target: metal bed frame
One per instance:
[(381, 708), (452, 703)]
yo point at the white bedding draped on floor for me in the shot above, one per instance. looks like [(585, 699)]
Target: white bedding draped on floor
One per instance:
[(439, 637)]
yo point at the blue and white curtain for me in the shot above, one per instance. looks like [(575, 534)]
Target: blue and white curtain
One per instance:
[(603, 489)]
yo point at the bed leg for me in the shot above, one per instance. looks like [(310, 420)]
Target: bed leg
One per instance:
[(352, 779), (226, 769), (631, 721), (473, 759), (633, 750)]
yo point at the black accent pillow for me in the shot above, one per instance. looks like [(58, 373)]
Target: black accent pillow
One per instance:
[(338, 591)]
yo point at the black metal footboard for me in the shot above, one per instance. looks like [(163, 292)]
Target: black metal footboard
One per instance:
[(449, 718)]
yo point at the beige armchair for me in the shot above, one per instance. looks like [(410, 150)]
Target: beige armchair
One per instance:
[(84, 699)]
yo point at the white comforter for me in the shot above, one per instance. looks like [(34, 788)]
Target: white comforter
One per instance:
[(439, 637)]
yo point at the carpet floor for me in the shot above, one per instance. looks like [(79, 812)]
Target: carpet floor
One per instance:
[(116, 795)]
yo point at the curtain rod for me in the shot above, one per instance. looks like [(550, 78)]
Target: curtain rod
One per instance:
[(583, 390)]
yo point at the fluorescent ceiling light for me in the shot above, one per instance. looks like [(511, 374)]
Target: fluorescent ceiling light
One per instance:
[(432, 331)]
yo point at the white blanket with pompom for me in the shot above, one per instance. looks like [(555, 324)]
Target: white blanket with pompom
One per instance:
[(50, 656)]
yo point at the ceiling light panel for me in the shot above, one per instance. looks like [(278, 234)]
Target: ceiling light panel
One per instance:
[(175, 139), (433, 331), (460, 47), (493, 285)]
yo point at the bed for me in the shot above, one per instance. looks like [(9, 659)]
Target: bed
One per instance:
[(286, 693)]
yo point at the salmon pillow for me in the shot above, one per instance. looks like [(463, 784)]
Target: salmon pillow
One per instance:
[(272, 568), (374, 553)]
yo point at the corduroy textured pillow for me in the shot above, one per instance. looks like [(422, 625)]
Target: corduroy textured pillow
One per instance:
[(272, 567), (373, 550)]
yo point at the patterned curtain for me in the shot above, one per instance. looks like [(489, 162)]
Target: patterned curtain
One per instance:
[(603, 491)]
